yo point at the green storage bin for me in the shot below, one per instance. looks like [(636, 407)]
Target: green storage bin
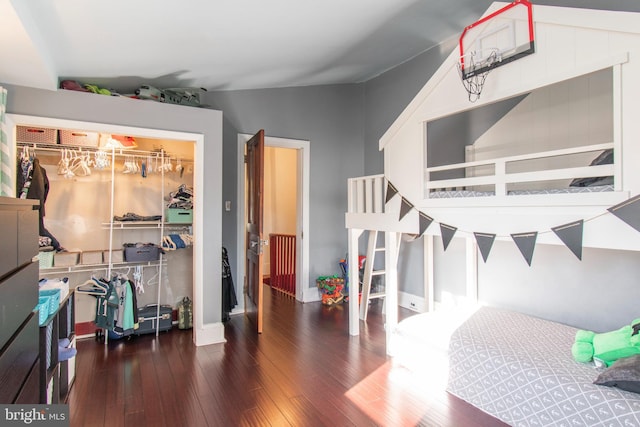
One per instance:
[(178, 216)]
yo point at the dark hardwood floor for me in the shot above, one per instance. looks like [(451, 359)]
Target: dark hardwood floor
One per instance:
[(304, 370)]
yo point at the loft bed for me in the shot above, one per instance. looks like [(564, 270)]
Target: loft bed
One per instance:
[(554, 138)]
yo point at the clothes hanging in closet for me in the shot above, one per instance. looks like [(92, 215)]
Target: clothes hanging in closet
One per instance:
[(116, 304), (33, 183), (229, 299)]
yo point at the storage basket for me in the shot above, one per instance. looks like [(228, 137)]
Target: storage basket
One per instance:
[(45, 259), (43, 310), (61, 284), (79, 138), (116, 256), (53, 295), (140, 252), (36, 135), (65, 259), (178, 216), (91, 257)]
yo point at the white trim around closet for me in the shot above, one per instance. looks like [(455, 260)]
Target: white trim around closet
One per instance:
[(203, 334)]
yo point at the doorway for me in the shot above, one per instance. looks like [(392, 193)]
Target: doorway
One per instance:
[(298, 152)]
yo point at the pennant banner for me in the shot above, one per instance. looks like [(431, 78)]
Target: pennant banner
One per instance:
[(391, 191), (405, 208), (485, 242), (526, 243), (447, 232), (628, 211), (425, 222), (571, 235)]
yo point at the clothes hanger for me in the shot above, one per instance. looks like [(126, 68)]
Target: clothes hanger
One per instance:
[(94, 287)]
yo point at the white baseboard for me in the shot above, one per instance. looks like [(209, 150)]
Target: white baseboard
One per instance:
[(412, 302), (311, 295), (211, 333)]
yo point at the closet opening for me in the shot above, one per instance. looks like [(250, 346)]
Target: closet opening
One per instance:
[(113, 187)]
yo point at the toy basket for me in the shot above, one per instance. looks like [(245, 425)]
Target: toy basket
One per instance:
[(43, 310), (331, 288), (53, 296)]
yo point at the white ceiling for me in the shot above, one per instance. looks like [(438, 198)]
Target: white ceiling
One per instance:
[(226, 44)]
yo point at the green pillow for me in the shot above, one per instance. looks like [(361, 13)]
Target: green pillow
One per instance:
[(623, 374)]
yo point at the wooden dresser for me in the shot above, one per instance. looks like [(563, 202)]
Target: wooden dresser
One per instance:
[(19, 331)]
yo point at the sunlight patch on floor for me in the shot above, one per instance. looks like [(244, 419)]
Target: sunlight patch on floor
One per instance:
[(387, 398)]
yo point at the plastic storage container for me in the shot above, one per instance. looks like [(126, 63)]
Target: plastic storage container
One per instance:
[(45, 259), (141, 252), (43, 310), (53, 295), (178, 216)]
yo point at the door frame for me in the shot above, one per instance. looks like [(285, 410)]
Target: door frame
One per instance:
[(302, 213)]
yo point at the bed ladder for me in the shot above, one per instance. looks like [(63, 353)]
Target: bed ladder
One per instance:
[(370, 273)]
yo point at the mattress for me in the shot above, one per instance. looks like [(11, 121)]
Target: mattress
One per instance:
[(455, 194), (520, 369), (420, 343)]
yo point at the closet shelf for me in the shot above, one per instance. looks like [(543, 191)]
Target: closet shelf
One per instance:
[(93, 267), (57, 148), (133, 225)]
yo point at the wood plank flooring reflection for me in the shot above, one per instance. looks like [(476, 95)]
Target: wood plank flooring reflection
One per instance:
[(304, 370)]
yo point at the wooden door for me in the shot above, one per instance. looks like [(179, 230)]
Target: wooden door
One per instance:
[(254, 161)]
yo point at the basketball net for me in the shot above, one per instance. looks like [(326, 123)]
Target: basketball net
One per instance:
[(474, 82)]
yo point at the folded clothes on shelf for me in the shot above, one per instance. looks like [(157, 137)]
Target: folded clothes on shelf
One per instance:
[(130, 216)]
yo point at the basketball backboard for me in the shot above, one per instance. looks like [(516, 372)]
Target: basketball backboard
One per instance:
[(497, 39)]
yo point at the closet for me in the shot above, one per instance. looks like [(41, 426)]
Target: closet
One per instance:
[(107, 206)]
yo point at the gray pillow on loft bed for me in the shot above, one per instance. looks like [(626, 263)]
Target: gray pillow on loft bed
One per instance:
[(605, 158)]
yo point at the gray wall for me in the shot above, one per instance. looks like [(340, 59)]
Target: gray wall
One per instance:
[(331, 118), (385, 97), (600, 293), (80, 106)]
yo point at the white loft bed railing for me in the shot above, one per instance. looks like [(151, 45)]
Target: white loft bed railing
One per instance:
[(500, 178), (366, 194)]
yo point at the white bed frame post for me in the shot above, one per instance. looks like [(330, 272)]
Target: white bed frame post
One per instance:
[(354, 281), (428, 272), (391, 240), (472, 270)]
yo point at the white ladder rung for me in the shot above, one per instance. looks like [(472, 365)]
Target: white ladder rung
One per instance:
[(378, 272), (377, 295)]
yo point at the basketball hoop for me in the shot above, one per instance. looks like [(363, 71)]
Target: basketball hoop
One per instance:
[(498, 38), (474, 76)]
